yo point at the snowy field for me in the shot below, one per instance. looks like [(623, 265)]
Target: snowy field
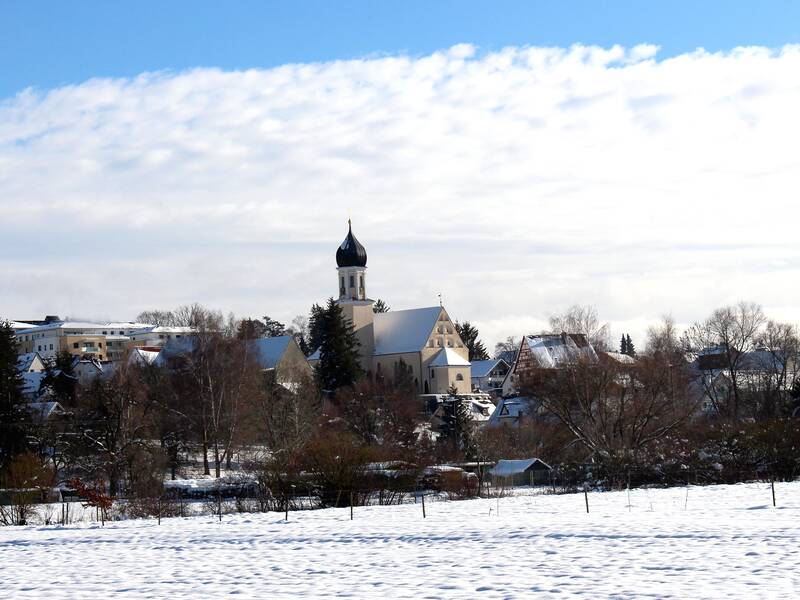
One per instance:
[(722, 541)]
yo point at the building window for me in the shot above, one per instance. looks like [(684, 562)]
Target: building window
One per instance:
[(439, 343), (40, 348), (75, 345), (449, 343), (433, 374), (352, 281), (51, 346), (105, 333), (459, 377), (100, 344)]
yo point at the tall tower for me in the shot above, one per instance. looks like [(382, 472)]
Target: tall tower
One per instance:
[(351, 267), (351, 263)]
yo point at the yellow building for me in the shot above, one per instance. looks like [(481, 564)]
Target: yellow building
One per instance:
[(422, 341)]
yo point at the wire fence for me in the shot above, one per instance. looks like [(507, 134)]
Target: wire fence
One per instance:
[(221, 500)]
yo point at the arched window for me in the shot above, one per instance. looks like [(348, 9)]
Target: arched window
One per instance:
[(459, 377)]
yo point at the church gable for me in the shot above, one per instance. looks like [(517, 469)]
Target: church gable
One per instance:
[(444, 333)]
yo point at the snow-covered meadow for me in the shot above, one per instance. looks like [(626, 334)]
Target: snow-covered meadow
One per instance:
[(720, 541)]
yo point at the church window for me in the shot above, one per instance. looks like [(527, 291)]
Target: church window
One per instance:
[(352, 281), (433, 374), (449, 343), (439, 343), (459, 377)]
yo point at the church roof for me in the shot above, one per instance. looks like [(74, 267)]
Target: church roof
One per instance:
[(351, 253), (447, 357), (399, 331)]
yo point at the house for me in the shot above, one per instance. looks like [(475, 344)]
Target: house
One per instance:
[(527, 471), (32, 384), (282, 356), (143, 355), (513, 410), (547, 351), (41, 412), (488, 375), (30, 363), (420, 343), (101, 341)]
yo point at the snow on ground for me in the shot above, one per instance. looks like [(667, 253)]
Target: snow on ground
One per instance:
[(721, 541)]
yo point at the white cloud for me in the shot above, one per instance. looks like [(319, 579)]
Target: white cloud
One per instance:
[(515, 182)]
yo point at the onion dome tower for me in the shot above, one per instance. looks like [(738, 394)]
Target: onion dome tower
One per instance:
[(351, 263)]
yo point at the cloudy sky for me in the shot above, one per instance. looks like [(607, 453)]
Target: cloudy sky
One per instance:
[(514, 180)]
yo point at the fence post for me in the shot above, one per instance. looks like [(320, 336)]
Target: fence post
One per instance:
[(351, 506), (772, 485), (586, 498), (423, 505)]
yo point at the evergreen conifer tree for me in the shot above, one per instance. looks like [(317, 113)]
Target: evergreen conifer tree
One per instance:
[(380, 306), (339, 357), (315, 321), (60, 378), (12, 402), (469, 335), (623, 345), (631, 351)]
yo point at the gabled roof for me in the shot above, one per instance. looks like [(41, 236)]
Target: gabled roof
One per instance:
[(141, 356), (32, 383), (506, 468), (447, 357), (269, 351), (400, 331), (555, 350), (44, 410), (24, 361), (482, 368)]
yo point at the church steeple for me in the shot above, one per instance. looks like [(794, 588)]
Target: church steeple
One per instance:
[(351, 253), (351, 262)]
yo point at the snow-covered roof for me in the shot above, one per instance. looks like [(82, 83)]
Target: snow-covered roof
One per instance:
[(555, 350), (506, 468), (44, 410), (142, 357), (269, 351), (314, 355), (24, 361), (19, 325), (620, 357), (447, 357), (482, 368), (163, 329), (512, 409), (399, 331), (32, 382), (84, 325)]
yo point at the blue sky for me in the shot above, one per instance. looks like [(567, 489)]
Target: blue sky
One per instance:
[(515, 157), (49, 44)]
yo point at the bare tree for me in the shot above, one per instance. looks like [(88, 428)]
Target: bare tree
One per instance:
[(773, 369), (582, 319), (723, 342), (663, 339), (615, 409), (510, 344)]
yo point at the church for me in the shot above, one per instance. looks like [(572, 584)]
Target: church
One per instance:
[(425, 340)]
